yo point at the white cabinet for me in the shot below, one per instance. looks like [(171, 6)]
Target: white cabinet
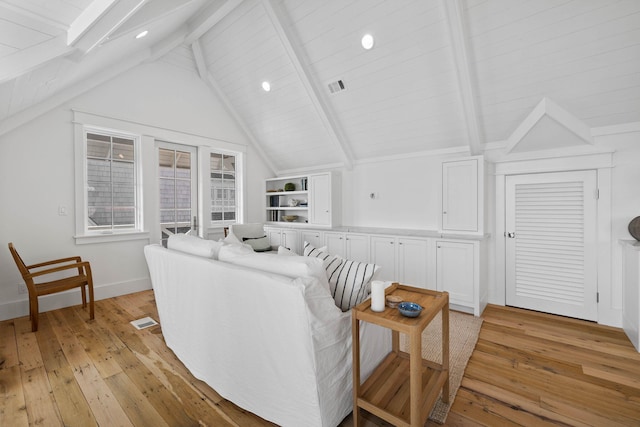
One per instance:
[(412, 264), (315, 237), (458, 272), (320, 199), (303, 199), (402, 259), (463, 195), (383, 253), (348, 245), (284, 237)]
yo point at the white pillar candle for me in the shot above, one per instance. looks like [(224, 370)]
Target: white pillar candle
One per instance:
[(377, 295)]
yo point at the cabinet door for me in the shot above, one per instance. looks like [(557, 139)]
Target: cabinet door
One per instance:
[(316, 238), (357, 247), (320, 199), (460, 195), (413, 259), (383, 253), (275, 237), (290, 240), (335, 244), (455, 271)]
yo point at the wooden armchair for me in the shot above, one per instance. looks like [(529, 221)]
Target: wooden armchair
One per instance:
[(29, 272)]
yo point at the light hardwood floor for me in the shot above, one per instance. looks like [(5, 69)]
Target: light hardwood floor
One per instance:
[(527, 369)]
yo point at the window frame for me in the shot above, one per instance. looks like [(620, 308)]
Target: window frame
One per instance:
[(238, 177), (83, 233)]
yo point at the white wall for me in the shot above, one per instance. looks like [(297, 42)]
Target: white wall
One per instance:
[(37, 164), (409, 197), (407, 193)]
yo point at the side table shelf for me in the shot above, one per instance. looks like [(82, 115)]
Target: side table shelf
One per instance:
[(404, 387)]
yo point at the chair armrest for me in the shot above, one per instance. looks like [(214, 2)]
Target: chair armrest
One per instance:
[(83, 264), (55, 261)]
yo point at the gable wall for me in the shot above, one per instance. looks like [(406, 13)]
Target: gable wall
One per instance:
[(38, 170)]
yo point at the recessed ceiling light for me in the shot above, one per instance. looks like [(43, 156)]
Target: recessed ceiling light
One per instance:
[(142, 34), (266, 86), (367, 41)]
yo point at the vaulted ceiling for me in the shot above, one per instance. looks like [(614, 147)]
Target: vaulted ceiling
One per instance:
[(443, 75)]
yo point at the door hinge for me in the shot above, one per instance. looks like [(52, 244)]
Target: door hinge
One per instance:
[(597, 193), (597, 297)]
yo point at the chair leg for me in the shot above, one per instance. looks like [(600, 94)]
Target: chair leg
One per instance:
[(33, 310), (84, 296), (91, 310)]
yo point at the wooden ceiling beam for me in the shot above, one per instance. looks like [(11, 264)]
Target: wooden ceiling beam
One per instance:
[(322, 107), (466, 83)]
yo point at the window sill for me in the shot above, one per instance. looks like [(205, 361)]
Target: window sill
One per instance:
[(86, 239)]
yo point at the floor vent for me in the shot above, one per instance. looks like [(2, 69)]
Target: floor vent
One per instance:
[(337, 86), (143, 323)]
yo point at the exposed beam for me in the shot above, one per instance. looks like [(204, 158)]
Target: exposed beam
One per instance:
[(206, 76), (25, 60), (87, 18), (209, 17), (466, 85), (198, 55), (108, 22), (331, 124)]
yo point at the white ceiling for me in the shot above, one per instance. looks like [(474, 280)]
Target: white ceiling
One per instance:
[(444, 75)]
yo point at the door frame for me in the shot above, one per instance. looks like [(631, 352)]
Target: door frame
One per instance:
[(195, 180), (609, 305)]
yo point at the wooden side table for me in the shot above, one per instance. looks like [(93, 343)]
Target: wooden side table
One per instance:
[(404, 387)]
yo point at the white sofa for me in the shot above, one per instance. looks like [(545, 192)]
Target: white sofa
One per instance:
[(274, 345)]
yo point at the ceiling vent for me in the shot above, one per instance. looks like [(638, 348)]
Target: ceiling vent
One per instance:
[(337, 86)]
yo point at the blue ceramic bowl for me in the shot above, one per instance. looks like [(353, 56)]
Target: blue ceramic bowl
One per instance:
[(409, 309)]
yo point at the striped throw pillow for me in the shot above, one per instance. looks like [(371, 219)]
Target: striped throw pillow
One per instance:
[(349, 281)]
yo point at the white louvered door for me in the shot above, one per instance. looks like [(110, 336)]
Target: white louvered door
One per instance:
[(551, 251)]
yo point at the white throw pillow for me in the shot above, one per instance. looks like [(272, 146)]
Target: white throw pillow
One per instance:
[(349, 281), (194, 245)]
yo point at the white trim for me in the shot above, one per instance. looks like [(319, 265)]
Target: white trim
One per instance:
[(165, 134), (111, 237), (20, 307), (460, 151), (83, 234), (555, 163), (608, 310), (546, 107), (616, 129)]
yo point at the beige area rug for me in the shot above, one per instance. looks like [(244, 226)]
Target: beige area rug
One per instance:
[(463, 335)]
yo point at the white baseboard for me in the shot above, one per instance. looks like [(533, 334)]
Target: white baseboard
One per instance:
[(19, 308)]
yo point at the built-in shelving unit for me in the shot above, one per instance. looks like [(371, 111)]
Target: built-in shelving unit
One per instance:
[(302, 199), (281, 204)]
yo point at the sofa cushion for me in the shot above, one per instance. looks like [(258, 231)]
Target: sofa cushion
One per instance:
[(259, 244), (349, 281), (289, 266), (286, 252), (194, 245)]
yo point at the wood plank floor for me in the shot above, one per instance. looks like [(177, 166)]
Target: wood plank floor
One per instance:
[(527, 369)]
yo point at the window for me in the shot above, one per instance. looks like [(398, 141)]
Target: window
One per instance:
[(111, 187), (223, 188)]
